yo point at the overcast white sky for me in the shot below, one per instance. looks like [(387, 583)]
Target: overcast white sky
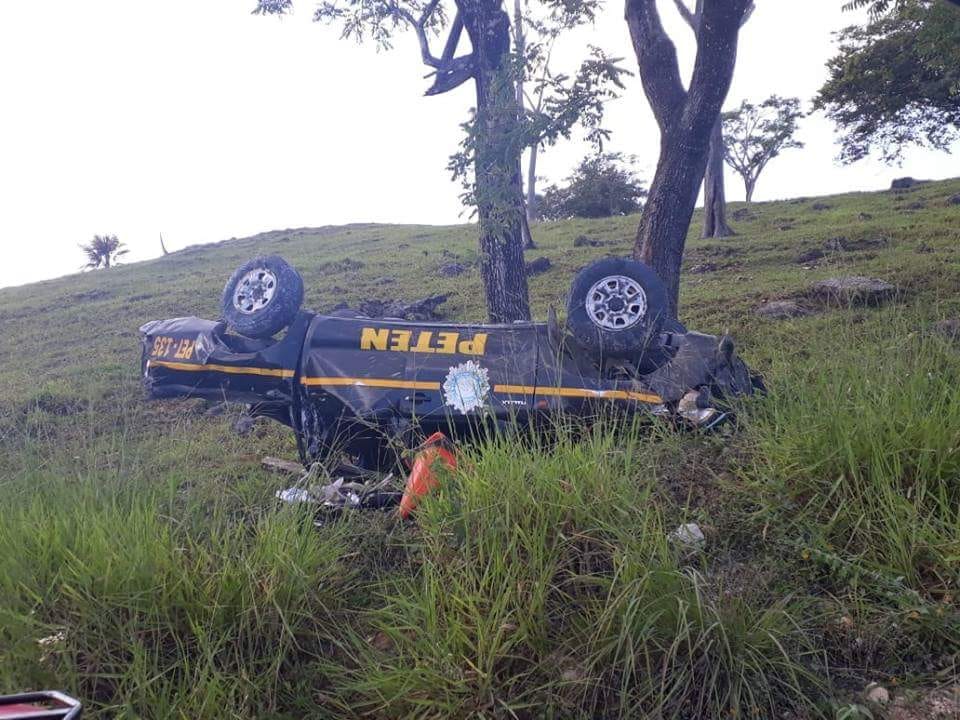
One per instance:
[(204, 122)]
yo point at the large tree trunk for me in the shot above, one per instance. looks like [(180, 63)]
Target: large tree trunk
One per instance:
[(498, 186), (714, 197), (686, 119)]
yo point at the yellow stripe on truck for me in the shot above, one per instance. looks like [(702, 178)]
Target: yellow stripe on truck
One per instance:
[(579, 392), (371, 382), (230, 369)]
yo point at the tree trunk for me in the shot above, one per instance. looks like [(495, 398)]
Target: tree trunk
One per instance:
[(749, 185), (686, 119), (532, 184), (714, 197), (498, 186)]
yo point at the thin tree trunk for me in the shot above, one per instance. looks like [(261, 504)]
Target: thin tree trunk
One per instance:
[(749, 185), (714, 197), (532, 184), (162, 246), (498, 186)]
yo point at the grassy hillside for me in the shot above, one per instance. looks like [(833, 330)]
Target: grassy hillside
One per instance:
[(145, 565)]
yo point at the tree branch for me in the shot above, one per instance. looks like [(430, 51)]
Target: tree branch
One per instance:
[(657, 58), (420, 27), (691, 19)]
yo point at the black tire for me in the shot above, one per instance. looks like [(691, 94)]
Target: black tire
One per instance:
[(609, 328), (262, 297)]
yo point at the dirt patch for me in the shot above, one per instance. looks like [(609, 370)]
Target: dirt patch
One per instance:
[(927, 705)]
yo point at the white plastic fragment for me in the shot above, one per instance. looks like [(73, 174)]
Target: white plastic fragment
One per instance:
[(877, 694), (689, 534)]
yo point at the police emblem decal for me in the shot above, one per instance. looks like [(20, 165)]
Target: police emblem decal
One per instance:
[(466, 386)]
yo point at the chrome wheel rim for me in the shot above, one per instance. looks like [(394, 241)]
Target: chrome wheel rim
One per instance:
[(254, 291), (616, 302)]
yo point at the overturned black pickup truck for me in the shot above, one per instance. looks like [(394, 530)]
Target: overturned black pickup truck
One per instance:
[(362, 386)]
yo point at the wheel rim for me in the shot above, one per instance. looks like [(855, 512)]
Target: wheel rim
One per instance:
[(254, 291), (616, 302)]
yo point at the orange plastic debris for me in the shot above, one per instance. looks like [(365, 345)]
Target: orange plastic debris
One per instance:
[(422, 479)]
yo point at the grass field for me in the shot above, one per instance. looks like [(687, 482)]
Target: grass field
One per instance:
[(146, 567)]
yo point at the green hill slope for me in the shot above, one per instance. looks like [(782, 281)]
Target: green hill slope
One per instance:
[(146, 566)]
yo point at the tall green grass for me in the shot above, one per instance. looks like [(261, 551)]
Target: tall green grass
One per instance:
[(117, 585), (545, 586)]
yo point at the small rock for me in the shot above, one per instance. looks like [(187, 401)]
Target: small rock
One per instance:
[(917, 206), (689, 534), (452, 269), (540, 265), (837, 244), (810, 256), (948, 329), (244, 425), (703, 268), (584, 241), (877, 694), (782, 310), (419, 310), (905, 183), (954, 199), (864, 216), (853, 290), (820, 206), (923, 249), (742, 214)]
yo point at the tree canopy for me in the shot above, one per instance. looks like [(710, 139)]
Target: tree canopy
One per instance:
[(753, 135), (600, 186), (103, 251), (895, 81)]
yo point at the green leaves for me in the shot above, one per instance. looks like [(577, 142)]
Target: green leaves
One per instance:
[(896, 81)]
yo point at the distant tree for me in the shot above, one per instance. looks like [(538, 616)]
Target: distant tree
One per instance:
[(714, 193), (599, 187), (896, 80), (755, 134), (553, 102), (103, 251)]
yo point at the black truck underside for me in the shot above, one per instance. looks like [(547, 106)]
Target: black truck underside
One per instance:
[(359, 385)]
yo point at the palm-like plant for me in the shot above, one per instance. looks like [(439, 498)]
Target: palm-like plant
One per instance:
[(103, 251)]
